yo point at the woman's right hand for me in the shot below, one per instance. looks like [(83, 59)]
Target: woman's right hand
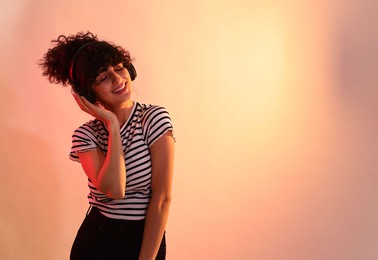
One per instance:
[(96, 110), (106, 171)]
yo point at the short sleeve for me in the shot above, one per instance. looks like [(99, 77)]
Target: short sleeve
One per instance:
[(83, 139), (156, 122)]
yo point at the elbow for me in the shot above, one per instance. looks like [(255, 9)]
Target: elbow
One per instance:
[(167, 201), (113, 190), (164, 203), (116, 193)]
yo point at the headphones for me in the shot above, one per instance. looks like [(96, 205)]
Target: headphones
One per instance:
[(132, 71), (88, 94)]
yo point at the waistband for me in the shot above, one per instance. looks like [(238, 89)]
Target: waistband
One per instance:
[(94, 212)]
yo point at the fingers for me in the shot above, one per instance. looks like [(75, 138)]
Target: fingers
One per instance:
[(78, 100), (84, 104), (96, 110)]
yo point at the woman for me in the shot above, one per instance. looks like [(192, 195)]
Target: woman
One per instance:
[(126, 151)]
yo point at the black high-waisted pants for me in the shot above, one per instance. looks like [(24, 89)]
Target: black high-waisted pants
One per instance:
[(103, 238)]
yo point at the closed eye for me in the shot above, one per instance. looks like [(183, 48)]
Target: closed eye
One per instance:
[(105, 74), (118, 67), (102, 78)]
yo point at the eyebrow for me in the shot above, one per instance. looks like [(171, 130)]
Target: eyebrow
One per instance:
[(103, 69)]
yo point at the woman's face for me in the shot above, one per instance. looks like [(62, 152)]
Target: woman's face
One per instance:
[(113, 85)]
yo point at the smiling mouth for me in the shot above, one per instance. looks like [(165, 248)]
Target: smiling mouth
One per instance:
[(120, 89)]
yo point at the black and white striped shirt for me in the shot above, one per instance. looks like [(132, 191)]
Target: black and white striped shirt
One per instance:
[(145, 125)]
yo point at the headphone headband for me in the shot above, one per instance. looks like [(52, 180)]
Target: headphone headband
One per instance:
[(75, 56)]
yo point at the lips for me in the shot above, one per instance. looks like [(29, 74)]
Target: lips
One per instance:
[(120, 89)]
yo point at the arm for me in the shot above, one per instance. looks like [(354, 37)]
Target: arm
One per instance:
[(107, 173), (162, 155)]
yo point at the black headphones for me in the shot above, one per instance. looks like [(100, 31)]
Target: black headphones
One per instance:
[(88, 94), (132, 71)]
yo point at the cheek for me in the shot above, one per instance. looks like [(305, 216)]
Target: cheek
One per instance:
[(99, 91), (124, 74)]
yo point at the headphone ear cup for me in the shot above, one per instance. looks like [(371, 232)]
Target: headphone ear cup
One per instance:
[(89, 95), (132, 71)]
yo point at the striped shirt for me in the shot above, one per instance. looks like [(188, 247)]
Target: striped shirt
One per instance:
[(145, 125)]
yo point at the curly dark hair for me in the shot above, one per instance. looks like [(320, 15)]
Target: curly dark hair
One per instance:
[(85, 56)]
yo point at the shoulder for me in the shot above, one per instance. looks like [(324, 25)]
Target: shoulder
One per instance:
[(155, 122), (91, 127), (151, 112), (87, 137)]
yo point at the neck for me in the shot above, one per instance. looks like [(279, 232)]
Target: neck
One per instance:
[(122, 111)]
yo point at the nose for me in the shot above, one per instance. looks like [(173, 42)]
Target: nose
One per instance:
[(116, 78)]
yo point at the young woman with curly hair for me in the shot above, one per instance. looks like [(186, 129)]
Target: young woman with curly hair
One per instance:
[(126, 151)]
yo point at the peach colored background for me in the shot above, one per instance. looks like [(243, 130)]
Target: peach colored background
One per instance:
[(275, 110)]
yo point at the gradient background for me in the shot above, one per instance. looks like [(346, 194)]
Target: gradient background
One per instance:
[(274, 105)]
